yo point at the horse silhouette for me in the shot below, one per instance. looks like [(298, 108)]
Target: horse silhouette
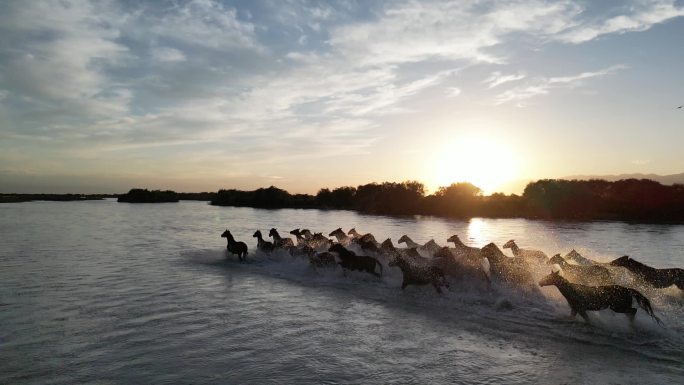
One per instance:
[(528, 255), (239, 248), (419, 274), (350, 261), (341, 236), (262, 245), (583, 298), (279, 241), (658, 278), (576, 257)]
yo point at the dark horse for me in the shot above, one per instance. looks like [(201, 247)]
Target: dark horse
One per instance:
[(239, 248), (658, 278), (582, 298), (419, 274), (351, 261)]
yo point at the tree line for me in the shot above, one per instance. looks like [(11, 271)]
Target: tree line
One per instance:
[(629, 200)]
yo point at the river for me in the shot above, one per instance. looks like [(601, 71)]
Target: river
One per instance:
[(111, 293)]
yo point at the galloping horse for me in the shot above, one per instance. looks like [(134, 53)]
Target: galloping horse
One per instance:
[(279, 241), (658, 278), (351, 261), (239, 248), (341, 236), (576, 257), (593, 275), (419, 274), (527, 255), (582, 298), (462, 247), (507, 269), (262, 245)]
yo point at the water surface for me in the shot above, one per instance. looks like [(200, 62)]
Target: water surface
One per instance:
[(103, 292)]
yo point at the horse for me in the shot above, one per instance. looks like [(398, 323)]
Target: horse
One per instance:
[(341, 236), (351, 261), (239, 248), (324, 259), (658, 278), (507, 269), (528, 255), (366, 238), (262, 245), (300, 238), (459, 266), (279, 241), (576, 257), (367, 243), (431, 247), (318, 240), (462, 247), (388, 249), (583, 298), (593, 275), (419, 274), (306, 233), (408, 241)]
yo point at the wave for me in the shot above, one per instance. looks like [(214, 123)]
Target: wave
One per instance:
[(503, 310)]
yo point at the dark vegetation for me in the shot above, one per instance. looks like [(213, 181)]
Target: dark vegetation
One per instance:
[(634, 200), (638, 200), (138, 195), (15, 198)]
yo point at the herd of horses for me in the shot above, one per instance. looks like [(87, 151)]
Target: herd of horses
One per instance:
[(587, 285)]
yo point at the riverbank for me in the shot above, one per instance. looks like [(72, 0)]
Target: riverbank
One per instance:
[(17, 198)]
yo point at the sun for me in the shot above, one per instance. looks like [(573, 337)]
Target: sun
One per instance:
[(485, 162)]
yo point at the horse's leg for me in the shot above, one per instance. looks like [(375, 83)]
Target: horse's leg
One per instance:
[(631, 314), (403, 285), (584, 315), (436, 285)]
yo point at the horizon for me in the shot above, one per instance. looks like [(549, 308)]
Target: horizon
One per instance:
[(102, 97)]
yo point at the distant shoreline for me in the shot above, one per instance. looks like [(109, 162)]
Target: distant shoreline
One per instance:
[(628, 200)]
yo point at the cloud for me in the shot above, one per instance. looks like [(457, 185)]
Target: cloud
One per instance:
[(497, 79), (251, 85), (542, 86), (638, 17), (167, 54), (433, 30)]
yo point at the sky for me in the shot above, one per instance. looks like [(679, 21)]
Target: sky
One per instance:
[(104, 96)]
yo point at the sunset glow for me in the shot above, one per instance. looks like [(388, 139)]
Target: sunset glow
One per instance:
[(482, 161), (204, 95)]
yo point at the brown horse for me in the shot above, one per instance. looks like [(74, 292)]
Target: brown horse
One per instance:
[(658, 278), (583, 298)]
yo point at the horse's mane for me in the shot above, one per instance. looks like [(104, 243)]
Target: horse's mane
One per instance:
[(636, 263), (491, 250)]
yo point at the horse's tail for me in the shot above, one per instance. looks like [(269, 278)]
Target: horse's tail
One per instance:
[(644, 303)]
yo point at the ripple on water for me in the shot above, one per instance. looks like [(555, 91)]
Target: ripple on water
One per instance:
[(145, 294)]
